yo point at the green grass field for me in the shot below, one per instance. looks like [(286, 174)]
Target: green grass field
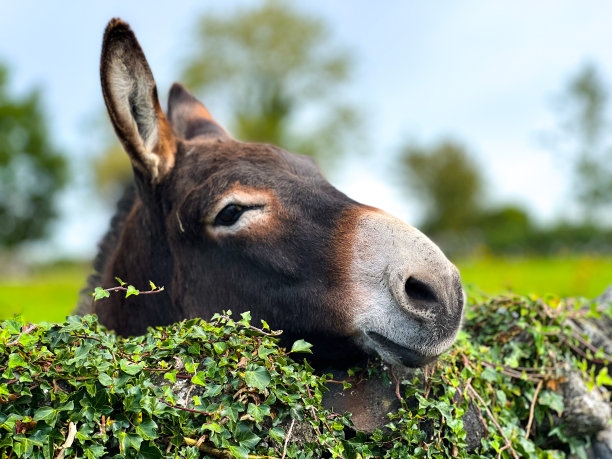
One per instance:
[(586, 276), (50, 293)]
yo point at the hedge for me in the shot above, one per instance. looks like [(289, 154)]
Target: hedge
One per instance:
[(225, 389)]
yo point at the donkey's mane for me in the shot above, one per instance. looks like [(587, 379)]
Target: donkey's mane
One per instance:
[(106, 248)]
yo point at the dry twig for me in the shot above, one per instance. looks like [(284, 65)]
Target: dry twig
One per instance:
[(532, 408), (287, 439)]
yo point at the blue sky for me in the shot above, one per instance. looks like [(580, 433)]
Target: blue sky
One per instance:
[(484, 73)]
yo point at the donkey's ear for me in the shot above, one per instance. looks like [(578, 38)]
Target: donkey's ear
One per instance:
[(189, 117), (130, 95)]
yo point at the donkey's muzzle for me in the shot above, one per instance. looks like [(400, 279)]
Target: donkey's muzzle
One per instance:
[(407, 295)]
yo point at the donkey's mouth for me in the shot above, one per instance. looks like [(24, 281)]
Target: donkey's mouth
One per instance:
[(408, 357)]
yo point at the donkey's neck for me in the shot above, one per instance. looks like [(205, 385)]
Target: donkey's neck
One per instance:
[(141, 255)]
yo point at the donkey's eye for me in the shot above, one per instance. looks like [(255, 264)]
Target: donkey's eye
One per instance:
[(229, 215)]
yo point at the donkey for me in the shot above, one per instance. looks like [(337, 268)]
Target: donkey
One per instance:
[(224, 224)]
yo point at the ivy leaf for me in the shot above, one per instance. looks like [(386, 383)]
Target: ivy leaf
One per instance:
[(105, 379), (121, 283), (15, 360), (277, 434), (150, 451), (199, 378), (246, 319), (94, 451), (220, 347), (171, 376), (129, 368), (147, 430), (301, 346), (258, 411), (603, 379), (489, 374), (131, 290), (258, 378), (551, 399), (45, 413), (248, 439), (239, 452), (100, 293), (264, 352), (128, 441)]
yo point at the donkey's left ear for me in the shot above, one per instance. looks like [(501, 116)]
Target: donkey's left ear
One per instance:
[(130, 95)]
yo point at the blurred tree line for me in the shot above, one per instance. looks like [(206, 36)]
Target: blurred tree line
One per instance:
[(32, 171), (278, 71), (451, 185)]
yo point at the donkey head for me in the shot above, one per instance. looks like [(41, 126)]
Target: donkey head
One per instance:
[(224, 224)]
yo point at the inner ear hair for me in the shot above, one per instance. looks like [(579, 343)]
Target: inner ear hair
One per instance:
[(131, 98)]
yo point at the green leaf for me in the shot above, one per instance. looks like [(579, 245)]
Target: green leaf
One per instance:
[(147, 430), (248, 440), (220, 347), (100, 293), (301, 346), (150, 451), (246, 318), (128, 441), (15, 360), (603, 379), (121, 283), (213, 427), (153, 286), (105, 379), (45, 413), (277, 434), (171, 376), (212, 390), (489, 374), (239, 452), (258, 378), (130, 368), (258, 411), (264, 351), (199, 378), (552, 400), (131, 290), (191, 367), (297, 412), (94, 451)]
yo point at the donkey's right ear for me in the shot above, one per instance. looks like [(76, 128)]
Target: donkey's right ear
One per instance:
[(130, 95)]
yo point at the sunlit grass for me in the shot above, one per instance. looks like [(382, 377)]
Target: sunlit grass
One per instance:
[(564, 276), (46, 294), (50, 293)]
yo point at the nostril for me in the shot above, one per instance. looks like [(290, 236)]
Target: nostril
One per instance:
[(418, 290)]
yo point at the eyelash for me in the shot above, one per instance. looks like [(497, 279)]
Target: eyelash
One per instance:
[(231, 213)]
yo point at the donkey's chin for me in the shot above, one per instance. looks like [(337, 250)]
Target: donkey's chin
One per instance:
[(394, 353)]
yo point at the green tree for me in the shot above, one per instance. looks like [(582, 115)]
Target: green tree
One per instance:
[(31, 170), (449, 183), (276, 69), (585, 132)]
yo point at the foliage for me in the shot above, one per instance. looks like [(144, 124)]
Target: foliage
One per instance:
[(277, 69), (243, 392), (450, 183), (585, 130), (31, 171), (226, 389)]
